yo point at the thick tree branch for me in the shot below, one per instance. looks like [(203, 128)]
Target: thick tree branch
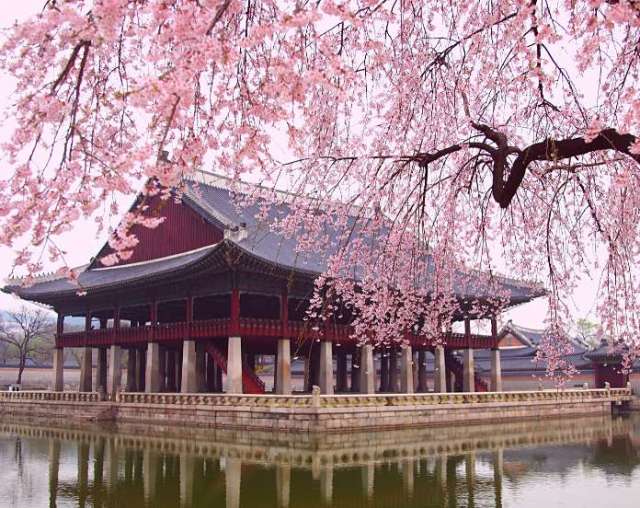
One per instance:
[(554, 150)]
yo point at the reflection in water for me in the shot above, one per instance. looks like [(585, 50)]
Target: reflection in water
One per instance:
[(516, 464)]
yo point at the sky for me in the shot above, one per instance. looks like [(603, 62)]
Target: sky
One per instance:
[(82, 243)]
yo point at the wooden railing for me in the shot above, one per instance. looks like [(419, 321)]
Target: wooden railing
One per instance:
[(248, 327)]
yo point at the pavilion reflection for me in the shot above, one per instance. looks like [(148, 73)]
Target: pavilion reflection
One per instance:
[(174, 471)]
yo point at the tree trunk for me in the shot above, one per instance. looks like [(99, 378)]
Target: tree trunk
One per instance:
[(22, 361)]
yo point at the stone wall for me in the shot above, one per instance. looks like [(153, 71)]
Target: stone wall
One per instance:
[(313, 413)]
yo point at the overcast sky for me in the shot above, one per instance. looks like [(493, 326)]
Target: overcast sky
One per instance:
[(83, 243)]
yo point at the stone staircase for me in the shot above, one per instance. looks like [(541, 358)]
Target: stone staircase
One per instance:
[(251, 383), (458, 369)]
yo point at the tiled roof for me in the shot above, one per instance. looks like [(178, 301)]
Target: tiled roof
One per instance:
[(217, 204)]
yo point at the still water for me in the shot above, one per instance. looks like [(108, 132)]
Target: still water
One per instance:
[(573, 462)]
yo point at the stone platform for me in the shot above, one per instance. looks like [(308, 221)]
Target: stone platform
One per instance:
[(314, 413)]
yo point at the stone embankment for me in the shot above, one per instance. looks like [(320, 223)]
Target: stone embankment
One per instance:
[(315, 412)]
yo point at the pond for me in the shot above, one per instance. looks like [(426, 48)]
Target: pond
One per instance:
[(573, 462)]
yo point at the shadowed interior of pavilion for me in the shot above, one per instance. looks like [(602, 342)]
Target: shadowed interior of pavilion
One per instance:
[(212, 288)]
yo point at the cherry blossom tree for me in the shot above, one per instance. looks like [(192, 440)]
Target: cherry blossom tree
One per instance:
[(438, 137)]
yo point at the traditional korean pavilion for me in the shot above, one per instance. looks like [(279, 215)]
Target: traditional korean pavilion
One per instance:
[(211, 288)]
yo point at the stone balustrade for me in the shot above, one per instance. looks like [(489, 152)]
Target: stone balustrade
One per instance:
[(49, 396), (375, 400)]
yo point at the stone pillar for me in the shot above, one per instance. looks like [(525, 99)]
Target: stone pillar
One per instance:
[(496, 371), (54, 469), (101, 371), (85, 370), (384, 370), (283, 367), (189, 380), (470, 473), (187, 476), (131, 370), (171, 370), (422, 371), (367, 370), (140, 369), (326, 484), (163, 368), (234, 366), (233, 478), (115, 370), (406, 370), (82, 473), (178, 367), (368, 479), (211, 373), (439, 371), (355, 370), (152, 375), (283, 485), (314, 368), (469, 372), (306, 382), (201, 367), (342, 384), (219, 387), (326, 367), (149, 471), (58, 369), (393, 370), (408, 476), (498, 471)]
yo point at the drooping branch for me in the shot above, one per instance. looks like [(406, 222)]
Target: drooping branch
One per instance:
[(554, 150), (548, 150)]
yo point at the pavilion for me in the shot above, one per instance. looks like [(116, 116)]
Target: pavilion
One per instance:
[(211, 288)]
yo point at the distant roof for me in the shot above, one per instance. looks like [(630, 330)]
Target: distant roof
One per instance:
[(211, 197), (532, 337)]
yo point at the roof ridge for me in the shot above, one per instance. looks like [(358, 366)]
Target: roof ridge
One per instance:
[(43, 277)]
